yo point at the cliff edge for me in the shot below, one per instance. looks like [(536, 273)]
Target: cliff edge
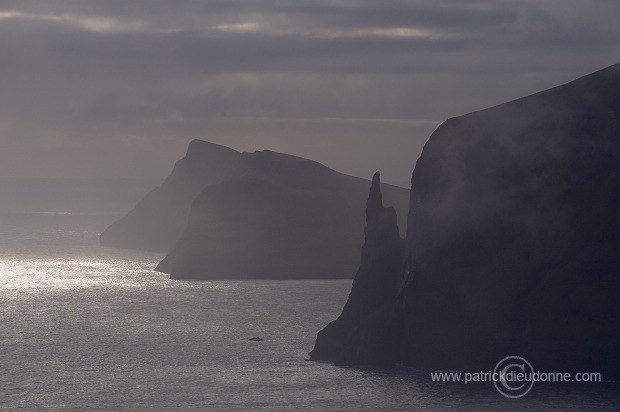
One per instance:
[(222, 214), (157, 221), (513, 241)]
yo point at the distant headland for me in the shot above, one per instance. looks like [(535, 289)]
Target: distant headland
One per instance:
[(222, 214)]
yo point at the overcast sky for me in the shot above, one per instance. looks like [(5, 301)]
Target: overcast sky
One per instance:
[(117, 88)]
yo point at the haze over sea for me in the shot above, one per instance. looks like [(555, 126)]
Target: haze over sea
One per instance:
[(92, 328)]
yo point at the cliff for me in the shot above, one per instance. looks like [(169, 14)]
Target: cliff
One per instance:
[(512, 242), (374, 287), (157, 221), (284, 218), (222, 214)]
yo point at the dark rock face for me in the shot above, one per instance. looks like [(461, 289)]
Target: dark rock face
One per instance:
[(374, 287), (261, 215), (290, 218), (513, 239)]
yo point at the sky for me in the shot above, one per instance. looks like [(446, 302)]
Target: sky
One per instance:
[(117, 88)]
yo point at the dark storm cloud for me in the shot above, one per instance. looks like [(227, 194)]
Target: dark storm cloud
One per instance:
[(93, 78)]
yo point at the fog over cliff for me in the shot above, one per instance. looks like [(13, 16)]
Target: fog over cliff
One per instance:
[(511, 247)]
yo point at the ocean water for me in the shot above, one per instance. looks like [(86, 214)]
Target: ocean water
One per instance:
[(89, 328)]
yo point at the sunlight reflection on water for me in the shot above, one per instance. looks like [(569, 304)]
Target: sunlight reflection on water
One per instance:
[(92, 328), (53, 274)]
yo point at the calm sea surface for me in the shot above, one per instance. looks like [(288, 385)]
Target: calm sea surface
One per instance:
[(90, 328)]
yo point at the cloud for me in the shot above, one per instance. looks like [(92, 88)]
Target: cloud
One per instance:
[(110, 76), (93, 24)]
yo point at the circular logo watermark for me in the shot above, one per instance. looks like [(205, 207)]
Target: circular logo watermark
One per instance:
[(514, 377)]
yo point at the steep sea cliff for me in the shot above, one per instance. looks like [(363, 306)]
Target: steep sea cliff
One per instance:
[(512, 246), (222, 214)]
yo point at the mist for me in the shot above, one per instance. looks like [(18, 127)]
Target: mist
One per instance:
[(186, 204), (119, 89)]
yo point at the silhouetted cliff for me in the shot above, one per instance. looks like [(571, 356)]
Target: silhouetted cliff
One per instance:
[(254, 215), (157, 221), (513, 242), (284, 218), (374, 288)]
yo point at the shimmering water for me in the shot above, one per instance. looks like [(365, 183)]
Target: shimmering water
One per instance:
[(90, 328)]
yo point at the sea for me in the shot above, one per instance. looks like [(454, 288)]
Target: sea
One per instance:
[(84, 327)]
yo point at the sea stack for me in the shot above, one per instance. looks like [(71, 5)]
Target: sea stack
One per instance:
[(374, 287), (512, 245)]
